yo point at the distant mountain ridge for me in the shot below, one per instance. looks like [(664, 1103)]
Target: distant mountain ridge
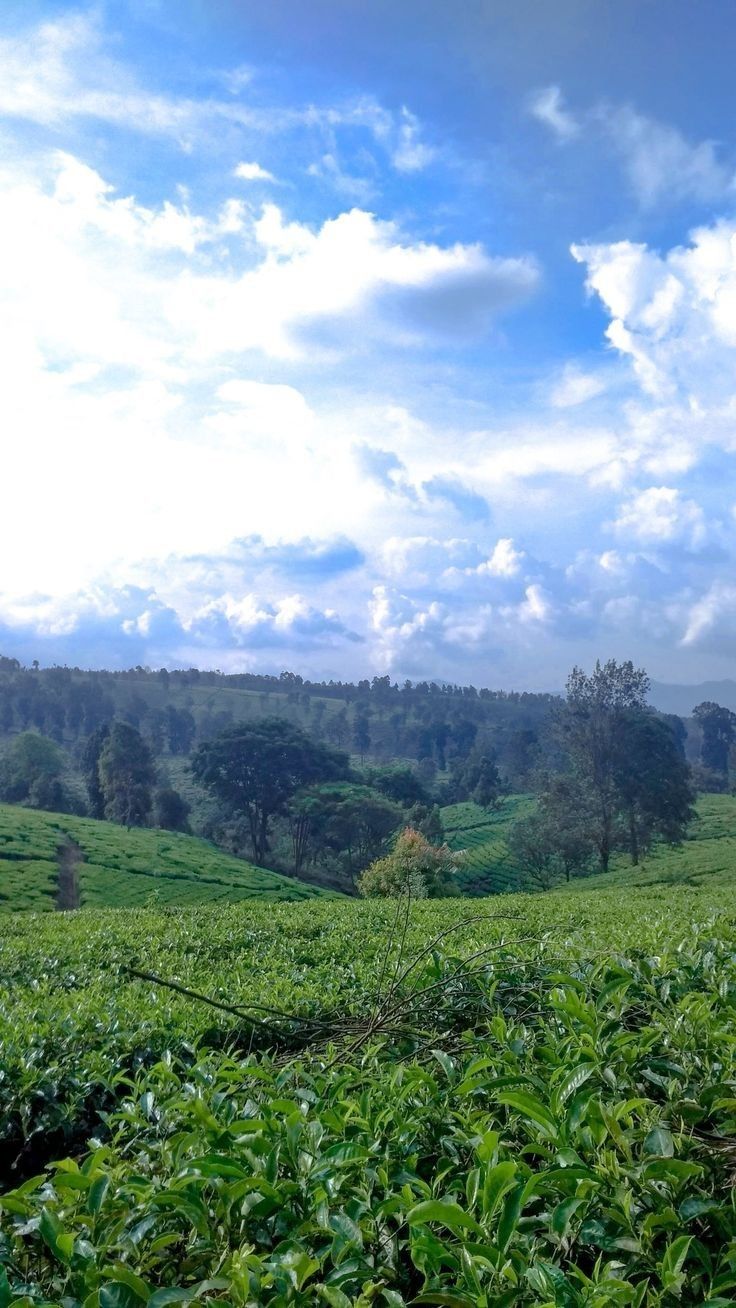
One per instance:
[(683, 699)]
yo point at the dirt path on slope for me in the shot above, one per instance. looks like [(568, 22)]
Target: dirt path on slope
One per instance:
[(70, 856)]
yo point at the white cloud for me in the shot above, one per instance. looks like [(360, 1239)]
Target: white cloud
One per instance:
[(660, 515), (253, 172), (410, 153), (575, 387), (536, 606), (504, 561), (661, 164), (712, 618), (548, 106), (673, 315)]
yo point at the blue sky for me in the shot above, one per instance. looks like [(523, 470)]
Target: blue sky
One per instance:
[(361, 337)]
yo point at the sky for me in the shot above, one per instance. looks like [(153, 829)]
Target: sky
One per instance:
[(355, 337)]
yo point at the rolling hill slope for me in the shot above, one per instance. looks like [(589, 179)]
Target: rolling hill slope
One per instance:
[(108, 866), (707, 857)]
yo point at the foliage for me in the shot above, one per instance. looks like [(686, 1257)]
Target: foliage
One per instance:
[(256, 768), (399, 782), (126, 774), (718, 725), (652, 782), (479, 780), (349, 821), (414, 867), (32, 772), (171, 809), (609, 736), (572, 1146)]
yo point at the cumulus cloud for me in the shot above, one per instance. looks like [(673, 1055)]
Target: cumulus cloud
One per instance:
[(548, 106), (253, 172), (660, 515), (126, 626), (674, 314), (711, 619)]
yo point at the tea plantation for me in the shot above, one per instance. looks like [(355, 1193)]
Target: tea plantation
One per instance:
[(124, 868), (537, 1108), (707, 857)]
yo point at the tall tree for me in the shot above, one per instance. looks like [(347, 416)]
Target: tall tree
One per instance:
[(718, 725), (351, 821), (625, 760), (90, 765), (255, 767), (591, 724), (126, 774), (652, 782)]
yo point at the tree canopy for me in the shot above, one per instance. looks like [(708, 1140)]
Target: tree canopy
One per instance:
[(255, 768)]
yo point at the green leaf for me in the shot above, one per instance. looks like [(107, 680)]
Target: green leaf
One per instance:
[(448, 1298), (162, 1297), (673, 1261), (531, 1108), (497, 1181), (447, 1214), (116, 1294), (53, 1235), (659, 1143), (333, 1296), (573, 1081)]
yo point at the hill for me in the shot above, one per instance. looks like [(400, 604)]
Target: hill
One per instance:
[(707, 857), (487, 867), (50, 860), (683, 699)]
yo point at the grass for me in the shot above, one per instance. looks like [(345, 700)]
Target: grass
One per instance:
[(125, 868)]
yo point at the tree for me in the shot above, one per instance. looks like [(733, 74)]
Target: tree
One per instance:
[(564, 810), (479, 779), (180, 729), (652, 782), (31, 772), (413, 867), (171, 810), (718, 725), (343, 819), (361, 734), (256, 767), (533, 850), (90, 766), (625, 761), (126, 775), (591, 725), (399, 782)]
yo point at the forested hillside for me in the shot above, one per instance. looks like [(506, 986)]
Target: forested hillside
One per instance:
[(431, 724)]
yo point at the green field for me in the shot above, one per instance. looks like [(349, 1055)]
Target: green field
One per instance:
[(548, 1123), (121, 868), (487, 867)]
